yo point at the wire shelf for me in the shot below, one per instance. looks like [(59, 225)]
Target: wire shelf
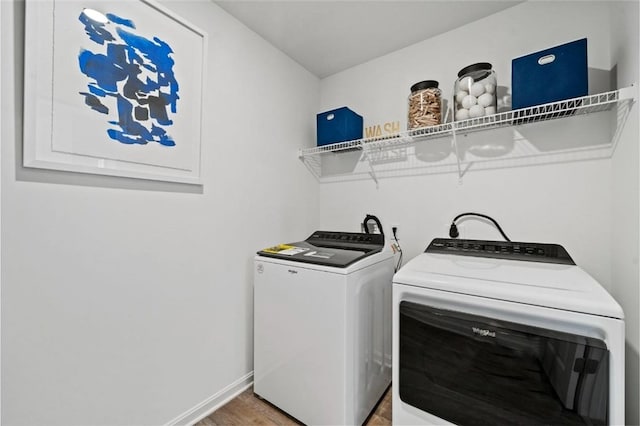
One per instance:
[(368, 147), (550, 111)]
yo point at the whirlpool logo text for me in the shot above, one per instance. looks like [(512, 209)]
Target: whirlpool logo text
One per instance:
[(483, 332)]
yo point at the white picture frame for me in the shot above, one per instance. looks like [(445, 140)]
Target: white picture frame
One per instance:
[(113, 88)]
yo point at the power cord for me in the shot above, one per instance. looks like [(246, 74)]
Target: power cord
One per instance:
[(453, 230), (394, 230)]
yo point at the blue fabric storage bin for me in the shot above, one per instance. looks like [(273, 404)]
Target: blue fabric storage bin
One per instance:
[(338, 125), (565, 76)]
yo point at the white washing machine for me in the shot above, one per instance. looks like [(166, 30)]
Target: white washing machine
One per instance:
[(322, 326), (491, 332)]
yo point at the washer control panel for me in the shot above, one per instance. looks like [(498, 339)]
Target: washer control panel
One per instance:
[(345, 239), (530, 252)]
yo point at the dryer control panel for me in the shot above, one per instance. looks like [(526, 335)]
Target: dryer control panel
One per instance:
[(531, 252)]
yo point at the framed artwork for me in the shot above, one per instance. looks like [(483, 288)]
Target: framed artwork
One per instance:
[(113, 88)]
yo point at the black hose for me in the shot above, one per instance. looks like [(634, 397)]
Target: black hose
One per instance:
[(377, 221)]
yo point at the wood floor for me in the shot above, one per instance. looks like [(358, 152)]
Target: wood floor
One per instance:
[(247, 409)]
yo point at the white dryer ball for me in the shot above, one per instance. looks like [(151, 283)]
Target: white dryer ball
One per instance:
[(476, 111), (490, 88), (486, 100), (466, 83), (476, 89), (490, 110), (461, 95), (469, 101), (462, 114)]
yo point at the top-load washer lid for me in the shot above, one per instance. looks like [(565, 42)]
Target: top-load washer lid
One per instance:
[(337, 249), (529, 273)]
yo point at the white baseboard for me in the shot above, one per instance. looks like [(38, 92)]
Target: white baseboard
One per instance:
[(211, 404)]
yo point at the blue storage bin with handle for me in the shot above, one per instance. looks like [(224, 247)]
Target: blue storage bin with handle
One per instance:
[(550, 75), (338, 125)]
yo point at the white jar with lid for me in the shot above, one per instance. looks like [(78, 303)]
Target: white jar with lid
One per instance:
[(475, 92)]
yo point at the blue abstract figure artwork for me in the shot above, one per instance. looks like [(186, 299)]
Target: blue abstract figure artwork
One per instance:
[(136, 72)]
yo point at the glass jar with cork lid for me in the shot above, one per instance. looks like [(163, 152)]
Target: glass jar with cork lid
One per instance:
[(425, 105)]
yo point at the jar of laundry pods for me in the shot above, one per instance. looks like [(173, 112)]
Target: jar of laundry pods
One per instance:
[(425, 105), (475, 92)]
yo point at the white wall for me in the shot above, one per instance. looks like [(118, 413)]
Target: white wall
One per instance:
[(626, 198), (1, 56), (130, 302), (571, 201), (552, 202)]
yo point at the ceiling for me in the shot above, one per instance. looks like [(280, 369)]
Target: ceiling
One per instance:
[(326, 37)]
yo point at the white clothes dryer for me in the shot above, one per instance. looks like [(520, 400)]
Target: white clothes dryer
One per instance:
[(488, 332)]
